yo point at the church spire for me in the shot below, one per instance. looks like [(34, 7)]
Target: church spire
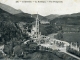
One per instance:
[(37, 26), (37, 15)]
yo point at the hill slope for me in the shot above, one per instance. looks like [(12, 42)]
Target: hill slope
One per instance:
[(51, 16), (73, 19), (9, 9), (7, 16)]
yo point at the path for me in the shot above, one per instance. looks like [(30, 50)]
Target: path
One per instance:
[(55, 46)]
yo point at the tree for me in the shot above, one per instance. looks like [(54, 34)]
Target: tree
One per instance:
[(1, 55), (8, 49), (60, 35), (17, 50)]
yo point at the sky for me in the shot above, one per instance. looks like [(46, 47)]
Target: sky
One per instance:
[(45, 7)]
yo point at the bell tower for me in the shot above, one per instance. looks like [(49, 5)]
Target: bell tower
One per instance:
[(35, 30), (37, 27)]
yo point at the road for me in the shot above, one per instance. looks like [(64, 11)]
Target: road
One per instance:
[(73, 55), (56, 47)]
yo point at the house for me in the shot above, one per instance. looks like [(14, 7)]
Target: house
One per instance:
[(44, 22), (70, 28)]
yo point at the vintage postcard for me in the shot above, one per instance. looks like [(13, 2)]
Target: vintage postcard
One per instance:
[(40, 29)]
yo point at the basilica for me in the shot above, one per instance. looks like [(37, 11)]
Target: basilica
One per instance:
[(36, 34)]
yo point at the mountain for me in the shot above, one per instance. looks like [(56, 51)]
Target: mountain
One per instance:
[(9, 13), (76, 14), (23, 15), (70, 19), (42, 18), (51, 16), (6, 16), (19, 13), (9, 9)]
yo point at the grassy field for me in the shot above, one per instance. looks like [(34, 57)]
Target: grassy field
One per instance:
[(72, 37)]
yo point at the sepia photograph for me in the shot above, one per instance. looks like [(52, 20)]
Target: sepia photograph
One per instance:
[(39, 29)]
